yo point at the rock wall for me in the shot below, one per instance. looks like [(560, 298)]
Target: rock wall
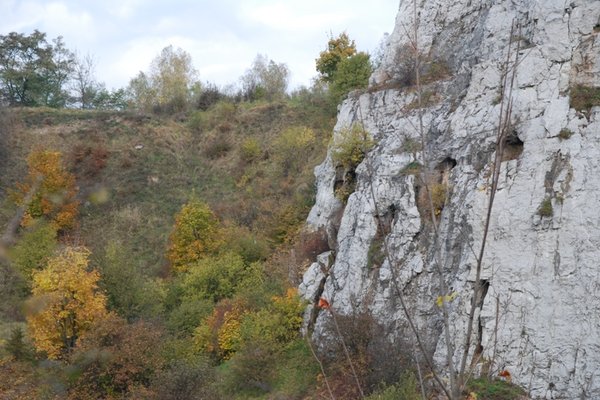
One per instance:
[(540, 316)]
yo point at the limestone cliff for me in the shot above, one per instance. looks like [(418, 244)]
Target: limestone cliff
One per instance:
[(539, 317)]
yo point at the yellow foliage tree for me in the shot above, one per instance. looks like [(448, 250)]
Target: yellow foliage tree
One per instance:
[(196, 234), (65, 303), (54, 187)]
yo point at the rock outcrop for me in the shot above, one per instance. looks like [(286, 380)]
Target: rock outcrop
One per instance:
[(539, 315)]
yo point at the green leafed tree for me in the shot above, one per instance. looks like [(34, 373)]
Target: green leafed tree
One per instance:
[(34, 72), (352, 73)]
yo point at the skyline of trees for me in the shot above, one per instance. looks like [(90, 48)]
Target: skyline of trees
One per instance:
[(37, 71)]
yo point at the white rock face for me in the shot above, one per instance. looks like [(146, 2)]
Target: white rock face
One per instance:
[(540, 318)]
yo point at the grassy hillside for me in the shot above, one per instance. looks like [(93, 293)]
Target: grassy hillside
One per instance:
[(134, 172), (252, 163)]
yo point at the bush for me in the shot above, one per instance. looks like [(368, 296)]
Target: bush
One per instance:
[(219, 335), (185, 380), (209, 95), (494, 389), (545, 209), (116, 358), (351, 146), (277, 324), (250, 150), (36, 246), (214, 278), (197, 121), (55, 198), (292, 149), (18, 347), (565, 134), (437, 191), (583, 98), (217, 146), (89, 160), (406, 389)]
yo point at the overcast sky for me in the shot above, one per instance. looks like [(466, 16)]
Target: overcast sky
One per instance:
[(222, 36)]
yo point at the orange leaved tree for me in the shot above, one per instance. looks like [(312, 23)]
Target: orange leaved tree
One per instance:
[(51, 189)]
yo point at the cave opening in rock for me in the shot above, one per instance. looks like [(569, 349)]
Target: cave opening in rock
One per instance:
[(513, 147)]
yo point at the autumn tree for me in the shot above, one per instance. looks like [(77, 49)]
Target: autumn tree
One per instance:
[(343, 68), (196, 234), (169, 85), (53, 187), (65, 303), (117, 359), (338, 49)]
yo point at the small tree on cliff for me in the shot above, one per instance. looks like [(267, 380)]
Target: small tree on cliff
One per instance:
[(338, 49), (342, 67)]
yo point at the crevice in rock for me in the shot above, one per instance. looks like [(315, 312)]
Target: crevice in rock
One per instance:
[(485, 285), (314, 313)]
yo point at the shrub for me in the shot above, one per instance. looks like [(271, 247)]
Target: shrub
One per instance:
[(217, 146), (376, 254), (412, 168), (36, 246), (293, 148), (434, 71), (209, 95), (308, 245), (116, 358), (219, 335), (277, 324), (190, 380), (90, 160), (438, 199), (197, 121), (18, 347), (351, 146), (351, 73), (565, 134), (406, 389), (214, 278), (494, 389), (583, 98), (248, 245), (545, 209), (250, 150)]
